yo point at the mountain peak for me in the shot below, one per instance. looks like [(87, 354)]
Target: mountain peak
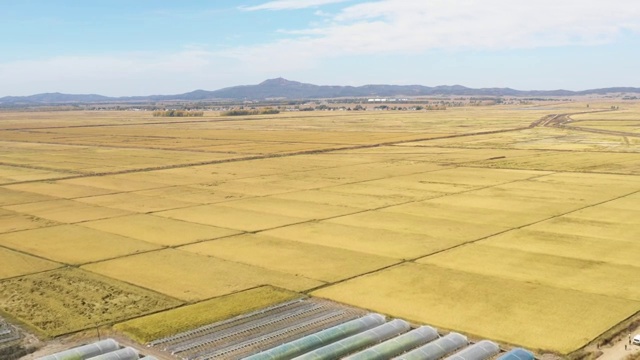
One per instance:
[(279, 82)]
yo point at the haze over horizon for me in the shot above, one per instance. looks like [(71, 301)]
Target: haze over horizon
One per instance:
[(121, 48)]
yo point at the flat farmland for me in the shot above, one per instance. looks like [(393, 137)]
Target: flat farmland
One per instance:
[(470, 219), (67, 300)]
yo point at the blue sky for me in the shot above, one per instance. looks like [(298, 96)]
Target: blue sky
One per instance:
[(143, 47)]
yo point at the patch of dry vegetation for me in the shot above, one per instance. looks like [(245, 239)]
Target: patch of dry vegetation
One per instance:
[(63, 301), (166, 323)]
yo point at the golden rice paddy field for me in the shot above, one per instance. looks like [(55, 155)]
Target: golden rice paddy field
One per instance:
[(467, 219)]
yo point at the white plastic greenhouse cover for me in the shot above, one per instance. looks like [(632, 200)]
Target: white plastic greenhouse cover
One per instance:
[(438, 348), (319, 339), (397, 345), (127, 353), (517, 354), (479, 351), (86, 351), (148, 357), (357, 341)]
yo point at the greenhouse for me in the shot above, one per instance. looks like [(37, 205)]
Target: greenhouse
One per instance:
[(127, 353), (517, 354), (86, 351), (438, 348), (358, 341), (397, 345), (321, 338), (481, 350)]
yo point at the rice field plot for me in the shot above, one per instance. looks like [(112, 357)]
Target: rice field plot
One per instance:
[(563, 139), (72, 244), (267, 147), (189, 317), (158, 230), (67, 300), (587, 162), (113, 183), (564, 237), (134, 202), (361, 201), (292, 208), (317, 262), (18, 264), (59, 189), (11, 221), (587, 276), (13, 174), (231, 218), (40, 119), (533, 315), (14, 197), (469, 215), (196, 195), (364, 240), (631, 126), (192, 277), (456, 232), (66, 211), (94, 159)]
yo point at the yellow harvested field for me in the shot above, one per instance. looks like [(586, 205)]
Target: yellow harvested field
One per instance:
[(166, 323), (459, 231), (66, 211), (496, 221), (11, 221), (134, 202), (13, 197), (192, 194), (192, 277), (158, 230), (528, 314), (384, 190), (587, 276), (579, 161), (322, 263), (577, 241), (477, 176), (18, 264), (442, 210), (230, 218), (58, 302), (292, 208), (14, 174), (112, 184), (361, 201), (72, 244), (60, 189), (365, 240)]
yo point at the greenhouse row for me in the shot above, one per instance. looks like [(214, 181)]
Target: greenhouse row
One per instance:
[(372, 338), (108, 349), (304, 329)]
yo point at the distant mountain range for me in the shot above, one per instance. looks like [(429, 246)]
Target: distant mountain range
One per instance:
[(285, 89)]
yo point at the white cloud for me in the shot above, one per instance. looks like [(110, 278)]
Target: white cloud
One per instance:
[(409, 26), (290, 4)]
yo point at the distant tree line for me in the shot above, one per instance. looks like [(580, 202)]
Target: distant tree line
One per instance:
[(242, 112), (177, 113)]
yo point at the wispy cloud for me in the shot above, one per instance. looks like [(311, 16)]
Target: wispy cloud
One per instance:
[(416, 26), (291, 4)]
